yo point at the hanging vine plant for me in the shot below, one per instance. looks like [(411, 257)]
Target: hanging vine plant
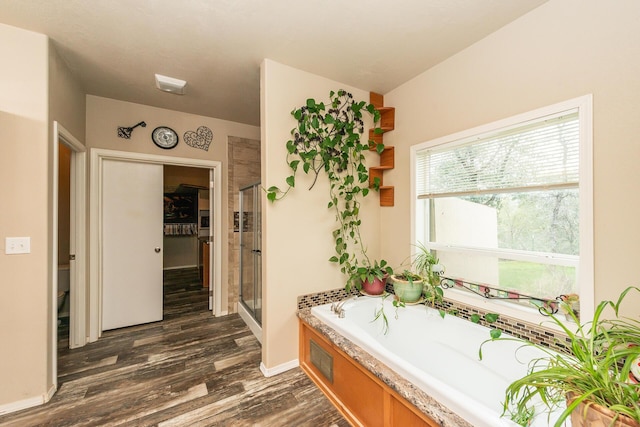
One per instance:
[(327, 139)]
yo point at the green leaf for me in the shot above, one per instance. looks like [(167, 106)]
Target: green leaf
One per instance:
[(291, 180), (376, 183), (333, 259), (380, 148), (495, 333), (378, 131), (297, 114), (271, 196), (475, 318), (311, 103), (294, 165), (291, 147), (306, 167), (491, 317), (273, 189)]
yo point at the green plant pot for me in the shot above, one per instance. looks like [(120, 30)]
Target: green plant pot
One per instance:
[(407, 291)]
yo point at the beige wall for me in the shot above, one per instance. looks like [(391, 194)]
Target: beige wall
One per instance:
[(66, 100), (561, 50), (297, 242), (105, 115), (29, 77), (23, 132)]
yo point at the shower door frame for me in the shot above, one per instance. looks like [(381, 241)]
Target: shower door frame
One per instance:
[(256, 251)]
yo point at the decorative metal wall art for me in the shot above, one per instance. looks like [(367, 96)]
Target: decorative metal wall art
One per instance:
[(544, 306), (125, 132), (201, 138)]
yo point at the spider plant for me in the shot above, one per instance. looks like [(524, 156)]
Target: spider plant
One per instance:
[(596, 372)]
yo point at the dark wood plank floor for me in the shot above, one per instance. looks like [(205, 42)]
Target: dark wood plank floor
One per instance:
[(191, 369)]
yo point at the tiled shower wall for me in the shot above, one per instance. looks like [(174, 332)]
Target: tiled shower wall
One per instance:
[(244, 170)]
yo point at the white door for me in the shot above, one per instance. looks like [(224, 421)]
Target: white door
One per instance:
[(132, 230)]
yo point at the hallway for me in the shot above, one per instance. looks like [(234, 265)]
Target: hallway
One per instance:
[(191, 369)]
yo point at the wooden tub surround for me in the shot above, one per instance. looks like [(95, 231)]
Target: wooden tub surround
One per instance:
[(365, 391)]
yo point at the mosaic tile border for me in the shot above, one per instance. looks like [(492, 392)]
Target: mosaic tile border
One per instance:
[(516, 327)]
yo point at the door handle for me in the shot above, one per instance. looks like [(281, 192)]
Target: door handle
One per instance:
[(157, 249)]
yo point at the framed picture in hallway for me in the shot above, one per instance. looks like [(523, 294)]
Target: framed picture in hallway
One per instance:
[(180, 208)]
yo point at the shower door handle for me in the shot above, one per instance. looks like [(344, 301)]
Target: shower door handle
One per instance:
[(157, 249)]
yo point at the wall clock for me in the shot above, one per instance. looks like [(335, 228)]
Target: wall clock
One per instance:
[(164, 137)]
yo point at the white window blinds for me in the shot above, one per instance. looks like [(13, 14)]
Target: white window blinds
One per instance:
[(530, 156)]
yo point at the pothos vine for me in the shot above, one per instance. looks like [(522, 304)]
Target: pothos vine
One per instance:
[(328, 138)]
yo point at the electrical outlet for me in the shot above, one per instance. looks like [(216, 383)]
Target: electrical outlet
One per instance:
[(17, 245)]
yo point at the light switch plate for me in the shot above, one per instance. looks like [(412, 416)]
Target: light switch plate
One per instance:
[(17, 245)]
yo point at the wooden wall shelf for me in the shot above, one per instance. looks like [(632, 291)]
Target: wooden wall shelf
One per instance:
[(387, 157)]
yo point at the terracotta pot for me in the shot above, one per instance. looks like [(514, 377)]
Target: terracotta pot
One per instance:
[(374, 288), (598, 416)]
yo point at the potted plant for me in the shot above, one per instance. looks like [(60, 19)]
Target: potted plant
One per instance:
[(596, 379), (408, 287), (371, 278), (422, 279), (328, 138), (427, 265)]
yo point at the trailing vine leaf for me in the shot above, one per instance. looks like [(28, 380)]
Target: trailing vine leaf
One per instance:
[(491, 317), (328, 138)]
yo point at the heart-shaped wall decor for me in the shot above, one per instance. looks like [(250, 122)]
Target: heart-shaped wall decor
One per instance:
[(199, 139)]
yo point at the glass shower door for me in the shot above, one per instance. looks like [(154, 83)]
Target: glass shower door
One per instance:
[(250, 228)]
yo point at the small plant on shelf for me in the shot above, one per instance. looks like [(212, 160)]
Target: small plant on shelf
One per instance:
[(328, 138)]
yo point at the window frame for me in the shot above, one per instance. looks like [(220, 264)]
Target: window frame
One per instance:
[(585, 271)]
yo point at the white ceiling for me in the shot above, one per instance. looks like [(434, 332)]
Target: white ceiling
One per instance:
[(115, 47)]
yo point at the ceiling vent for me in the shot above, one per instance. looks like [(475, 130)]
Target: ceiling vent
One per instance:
[(171, 85)]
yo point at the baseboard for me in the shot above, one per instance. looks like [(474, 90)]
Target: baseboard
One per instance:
[(50, 393), (270, 372), (28, 403)]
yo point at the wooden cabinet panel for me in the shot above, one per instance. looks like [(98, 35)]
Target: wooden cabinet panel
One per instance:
[(360, 396)]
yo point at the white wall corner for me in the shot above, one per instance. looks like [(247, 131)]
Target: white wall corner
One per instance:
[(270, 372)]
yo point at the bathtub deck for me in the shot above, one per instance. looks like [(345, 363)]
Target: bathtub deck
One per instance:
[(190, 369), (411, 393)]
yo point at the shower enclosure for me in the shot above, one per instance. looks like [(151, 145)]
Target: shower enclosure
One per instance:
[(250, 228)]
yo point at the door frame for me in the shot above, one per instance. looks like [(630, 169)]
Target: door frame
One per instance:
[(98, 155), (77, 243)]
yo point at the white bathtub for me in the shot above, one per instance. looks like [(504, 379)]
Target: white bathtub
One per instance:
[(438, 355)]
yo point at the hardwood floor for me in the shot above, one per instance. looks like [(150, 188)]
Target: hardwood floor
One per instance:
[(191, 369)]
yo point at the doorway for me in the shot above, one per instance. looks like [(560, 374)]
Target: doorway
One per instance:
[(98, 157), (68, 218), (186, 239)]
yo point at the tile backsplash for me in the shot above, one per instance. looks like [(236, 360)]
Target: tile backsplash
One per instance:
[(518, 328)]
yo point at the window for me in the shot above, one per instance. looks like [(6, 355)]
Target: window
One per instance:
[(509, 205)]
